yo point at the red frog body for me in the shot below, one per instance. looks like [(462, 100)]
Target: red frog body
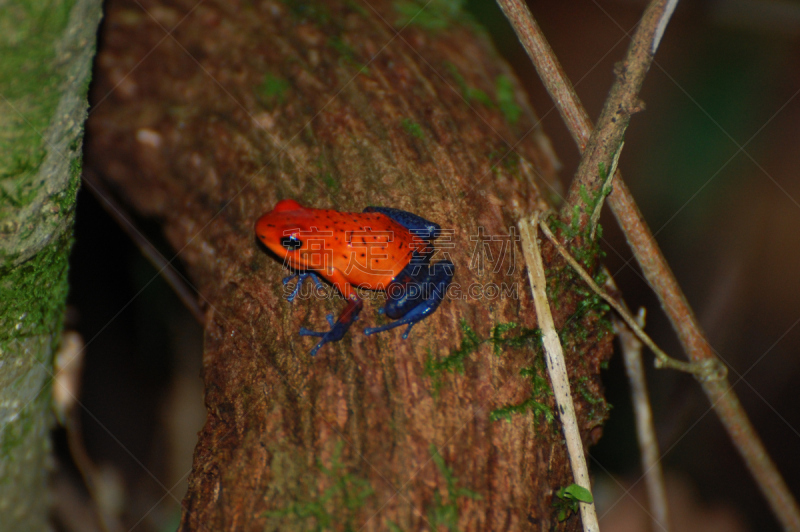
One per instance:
[(379, 249)]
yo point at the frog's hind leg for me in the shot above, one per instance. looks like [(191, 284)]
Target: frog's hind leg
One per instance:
[(416, 314), (430, 291)]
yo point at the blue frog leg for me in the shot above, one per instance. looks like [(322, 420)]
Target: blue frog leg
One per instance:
[(301, 276), (417, 299), (338, 327)]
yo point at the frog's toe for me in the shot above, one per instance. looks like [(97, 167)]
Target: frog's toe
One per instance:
[(326, 337), (338, 327), (336, 333), (301, 277), (410, 320)]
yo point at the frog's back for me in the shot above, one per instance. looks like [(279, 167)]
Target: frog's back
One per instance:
[(370, 249)]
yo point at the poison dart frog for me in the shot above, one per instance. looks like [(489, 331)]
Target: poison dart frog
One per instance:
[(379, 249)]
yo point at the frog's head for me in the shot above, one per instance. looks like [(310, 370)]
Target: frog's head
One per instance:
[(280, 230)]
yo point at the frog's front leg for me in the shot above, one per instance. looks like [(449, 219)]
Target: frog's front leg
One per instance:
[(346, 318), (412, 298), (301, 276)]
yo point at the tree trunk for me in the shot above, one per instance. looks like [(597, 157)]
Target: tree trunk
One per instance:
[(46, 49), (242, 105)]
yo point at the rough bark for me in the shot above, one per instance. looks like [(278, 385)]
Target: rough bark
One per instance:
[(246, 104), (46, 49)]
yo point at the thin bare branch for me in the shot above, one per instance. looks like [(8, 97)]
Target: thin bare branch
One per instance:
[(549, 69), (656, 269), (623, 101), (556, 367), (599, 146), (179, 284), (645, 432)]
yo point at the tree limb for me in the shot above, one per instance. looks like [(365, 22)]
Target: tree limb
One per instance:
[(340, 106), (46, 50)]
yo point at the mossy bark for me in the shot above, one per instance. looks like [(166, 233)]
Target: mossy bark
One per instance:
[(240, 105), (46, 50)]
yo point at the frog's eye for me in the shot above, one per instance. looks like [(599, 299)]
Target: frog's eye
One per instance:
[(291, 243)]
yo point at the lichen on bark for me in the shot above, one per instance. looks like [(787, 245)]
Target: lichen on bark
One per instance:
[(46, 50)]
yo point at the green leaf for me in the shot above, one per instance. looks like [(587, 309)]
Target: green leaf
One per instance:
[(578, 493)]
